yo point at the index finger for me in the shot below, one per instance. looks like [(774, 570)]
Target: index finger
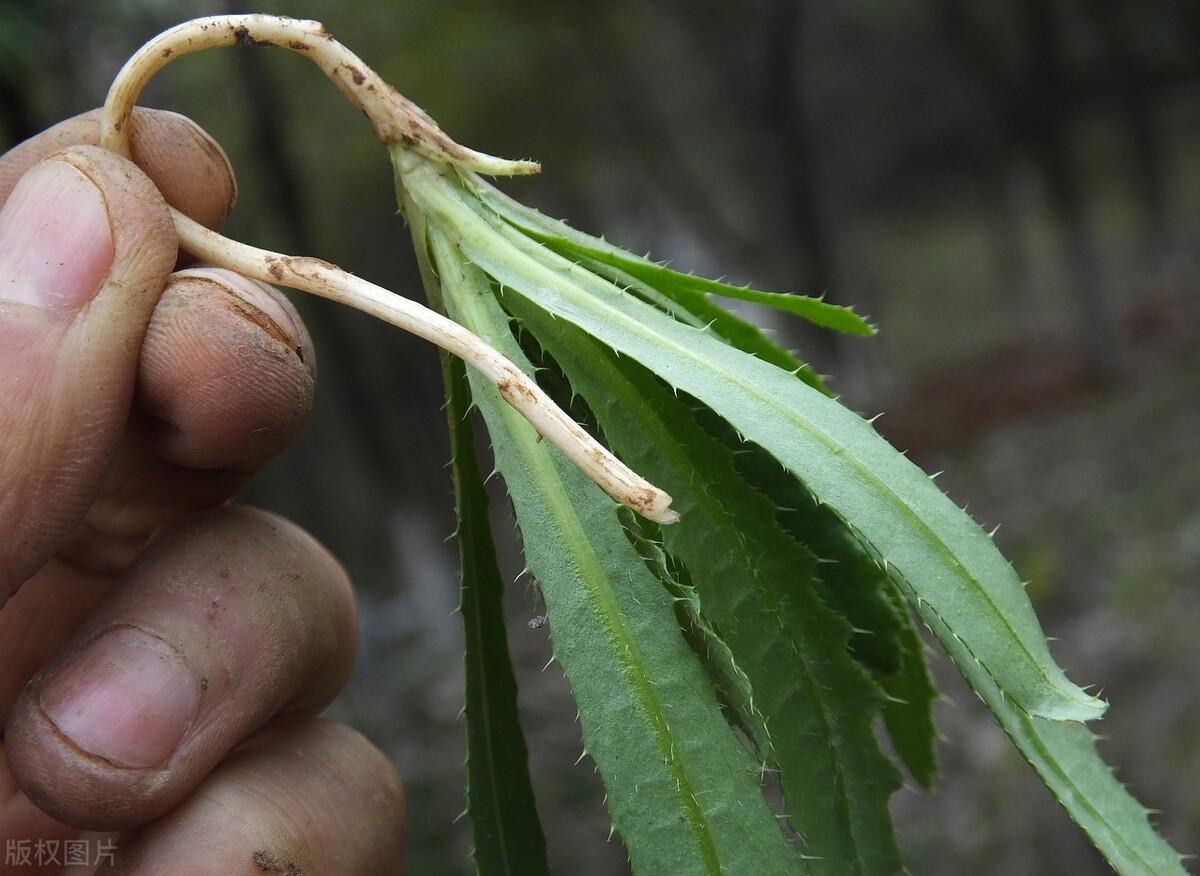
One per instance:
[(187, 165)]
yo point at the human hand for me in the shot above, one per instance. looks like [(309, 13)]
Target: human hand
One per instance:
[(163, 656)]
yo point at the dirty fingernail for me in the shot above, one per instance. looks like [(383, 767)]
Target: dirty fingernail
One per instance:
[(127, 697), (55, 240), (263, 305)]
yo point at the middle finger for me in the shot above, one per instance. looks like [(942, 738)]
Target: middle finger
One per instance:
[(225, 381)]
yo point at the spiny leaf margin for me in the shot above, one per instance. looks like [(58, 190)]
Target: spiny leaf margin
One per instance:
[(857, 587), (572, 243), (506, 830)]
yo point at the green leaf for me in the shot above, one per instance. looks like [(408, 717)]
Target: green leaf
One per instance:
[(576, 245), (754, 583), (950, 568), (908, 715), (857, 588), (1064, 754), (847, 577), (697, 310), (702, 312), (732, 686), (682, 789), (815, 310), (504, 821)]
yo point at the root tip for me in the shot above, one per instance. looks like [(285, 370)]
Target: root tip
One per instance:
[(665, 517)]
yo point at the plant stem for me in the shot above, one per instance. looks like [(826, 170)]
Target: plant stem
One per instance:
[(415, 138)]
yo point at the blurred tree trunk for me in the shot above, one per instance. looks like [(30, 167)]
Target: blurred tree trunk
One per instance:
[(787, 116), (1034, 110), (996, 145), (1135, 102), (763, 98), (1009, 256), (276, 166), (16, 115), (612, 68), (1047, 130)]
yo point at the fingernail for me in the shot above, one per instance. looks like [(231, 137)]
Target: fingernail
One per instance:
[(265, 309), (260, 305), (127, 697), (267, 305), (55, 240)]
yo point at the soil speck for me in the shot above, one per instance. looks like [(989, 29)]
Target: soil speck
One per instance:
[(270, 863)]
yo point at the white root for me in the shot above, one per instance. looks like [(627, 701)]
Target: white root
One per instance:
[(396, 120), (329, 281)]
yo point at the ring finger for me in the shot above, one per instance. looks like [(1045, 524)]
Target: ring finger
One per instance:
[(224, 621)]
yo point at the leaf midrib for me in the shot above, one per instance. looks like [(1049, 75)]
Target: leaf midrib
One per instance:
[(625, 648), (720, 521), (628, 655)]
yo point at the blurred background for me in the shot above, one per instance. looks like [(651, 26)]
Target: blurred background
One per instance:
[(1011, 189)]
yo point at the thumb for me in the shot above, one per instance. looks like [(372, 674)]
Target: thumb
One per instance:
[(86, 244)]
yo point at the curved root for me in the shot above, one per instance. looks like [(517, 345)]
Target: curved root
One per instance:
[(397, 121)]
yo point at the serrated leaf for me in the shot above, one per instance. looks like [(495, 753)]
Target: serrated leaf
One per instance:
[(951, 570), (854, 585), (754, 583), (702, 312), (576, 245), (964, 590), (682, 790), (847, 577), (697, 310), (732, 686), (1064, 755), (815, 310), (506, 831), (908, 714)]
